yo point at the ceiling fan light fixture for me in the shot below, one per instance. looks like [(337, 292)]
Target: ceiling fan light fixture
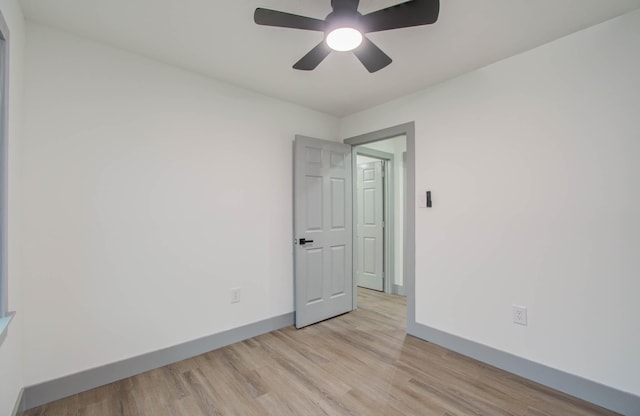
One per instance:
[(344, 39), (345, 26)]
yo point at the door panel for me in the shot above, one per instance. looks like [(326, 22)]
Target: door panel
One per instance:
[(338, 213), (313, 260), (313, 203), (370, 230), (322, 213), (338, 264)]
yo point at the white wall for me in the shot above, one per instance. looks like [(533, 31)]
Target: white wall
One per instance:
[(396, 146), (149, 192), (533, 165), (11, 380)]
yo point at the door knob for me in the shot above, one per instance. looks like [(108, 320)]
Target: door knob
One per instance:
[(304, 241)]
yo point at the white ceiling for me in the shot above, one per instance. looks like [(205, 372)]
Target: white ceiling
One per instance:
[(218, 38)]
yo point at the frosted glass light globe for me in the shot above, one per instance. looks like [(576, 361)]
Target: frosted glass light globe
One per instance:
[(344, 39)]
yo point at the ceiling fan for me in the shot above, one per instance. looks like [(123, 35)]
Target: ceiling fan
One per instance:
[(344, 29)]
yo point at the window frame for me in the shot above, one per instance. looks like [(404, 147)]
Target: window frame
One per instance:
[(5, 315)]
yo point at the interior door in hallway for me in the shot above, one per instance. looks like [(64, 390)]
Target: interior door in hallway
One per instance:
[(370, 226), (323, 225)]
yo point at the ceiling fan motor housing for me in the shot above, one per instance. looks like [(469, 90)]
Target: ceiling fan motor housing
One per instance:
[(345, 5), (343, 18)]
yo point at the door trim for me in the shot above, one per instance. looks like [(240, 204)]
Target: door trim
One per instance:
[(389, 210), (409, 259)]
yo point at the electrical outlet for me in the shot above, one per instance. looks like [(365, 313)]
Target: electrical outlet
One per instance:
[(235, 295), (519, 314)]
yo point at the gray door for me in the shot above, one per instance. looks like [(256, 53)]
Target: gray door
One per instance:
[(370, 228), (322, 215)]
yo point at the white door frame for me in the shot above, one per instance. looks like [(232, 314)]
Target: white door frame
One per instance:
[(409, 249), (389, 210)]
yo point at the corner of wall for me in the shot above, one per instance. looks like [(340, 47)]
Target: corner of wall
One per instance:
[(11, 360)]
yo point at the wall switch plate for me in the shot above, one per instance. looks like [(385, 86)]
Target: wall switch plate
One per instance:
[(519, 314), (422, 200), (235, 295)]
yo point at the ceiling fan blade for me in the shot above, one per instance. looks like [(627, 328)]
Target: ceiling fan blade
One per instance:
[(371, 56), (407, 14), (312, 59), (270, 17)]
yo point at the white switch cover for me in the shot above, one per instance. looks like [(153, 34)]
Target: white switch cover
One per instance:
[(519, 314), (235, 295), (422, 200)]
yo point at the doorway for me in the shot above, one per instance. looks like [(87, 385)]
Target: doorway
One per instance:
[(379, 214), (324, 276), (405, 167)]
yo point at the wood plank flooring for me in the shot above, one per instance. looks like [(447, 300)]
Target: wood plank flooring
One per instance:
[(361, 363)]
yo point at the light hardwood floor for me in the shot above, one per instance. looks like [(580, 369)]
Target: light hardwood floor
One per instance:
[(361, 363)]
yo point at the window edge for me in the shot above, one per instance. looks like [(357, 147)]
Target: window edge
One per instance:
[(4, 325)]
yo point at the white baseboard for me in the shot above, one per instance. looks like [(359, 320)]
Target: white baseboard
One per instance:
[(50, 391), (599, 394), (19, 406)]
